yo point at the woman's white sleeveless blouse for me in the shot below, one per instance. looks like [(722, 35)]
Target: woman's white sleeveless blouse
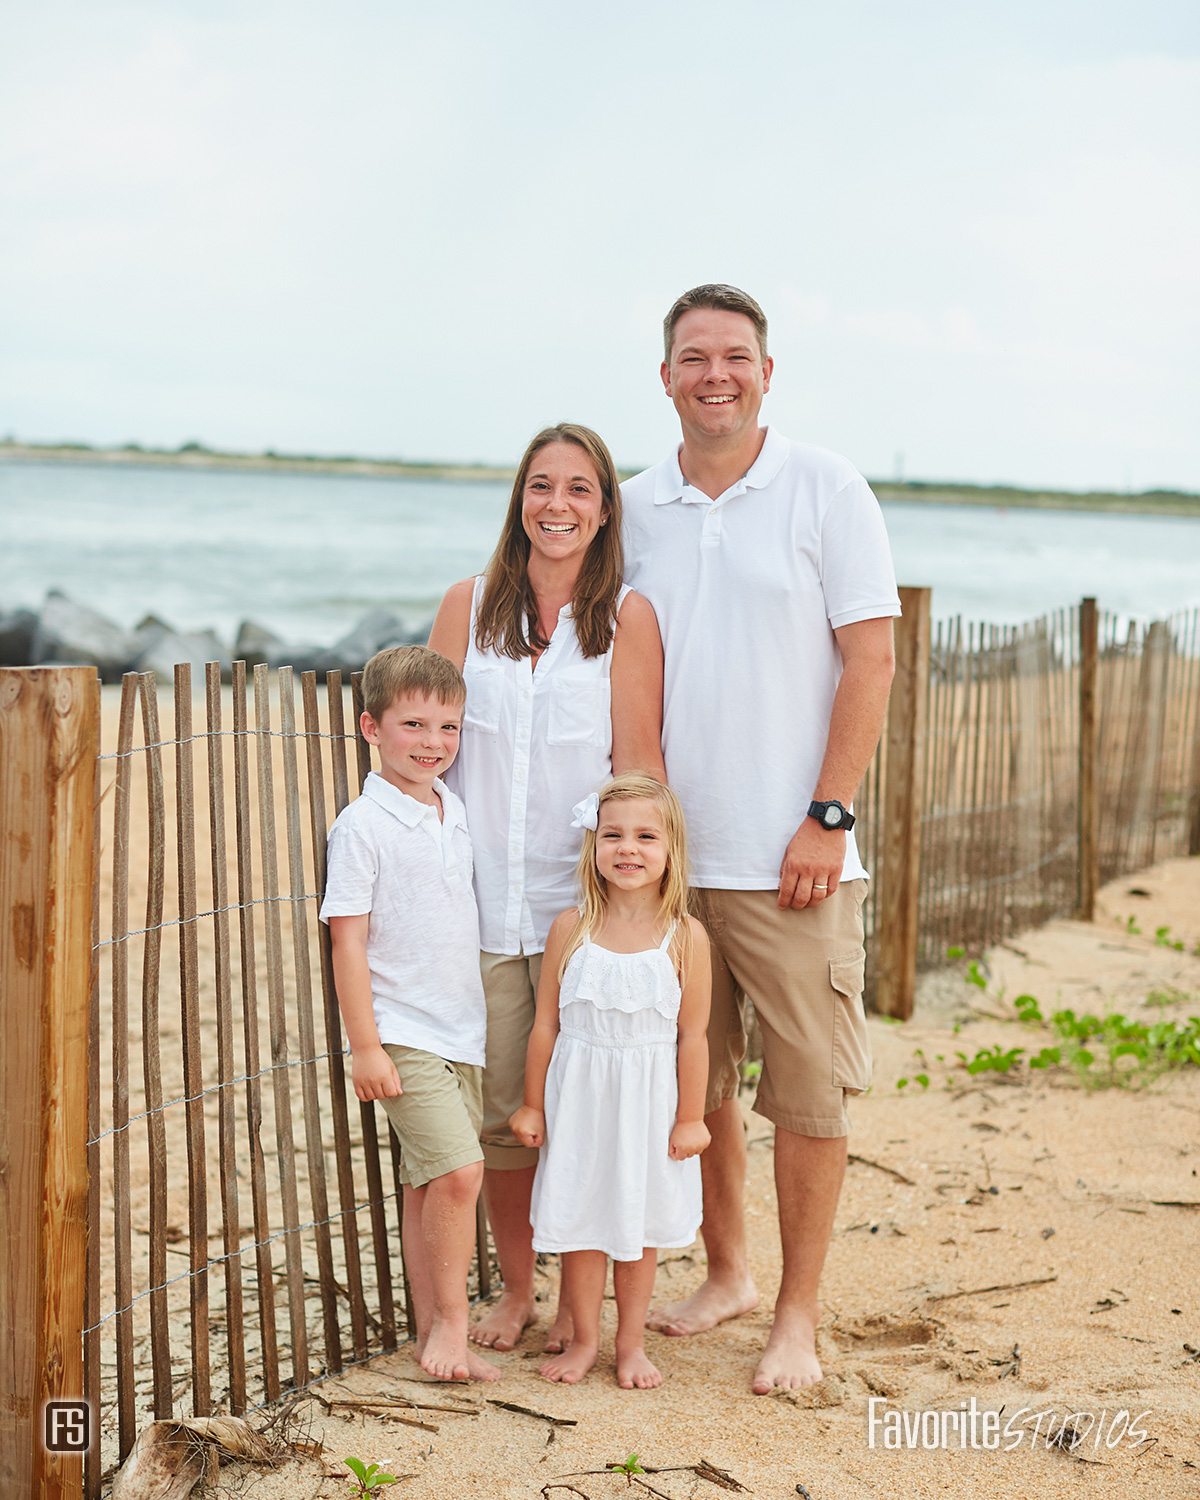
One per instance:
[(604, 1180), (534, 743)]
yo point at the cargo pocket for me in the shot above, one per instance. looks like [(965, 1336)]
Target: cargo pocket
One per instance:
[(851, 1045)]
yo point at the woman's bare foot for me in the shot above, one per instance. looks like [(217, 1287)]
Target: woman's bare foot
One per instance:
[(560, 1332), (571, 1365), (501, 1327), (790, 1360), (635, 1372), (710, 1304)]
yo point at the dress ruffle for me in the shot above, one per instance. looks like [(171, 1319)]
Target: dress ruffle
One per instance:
[(626, 982)]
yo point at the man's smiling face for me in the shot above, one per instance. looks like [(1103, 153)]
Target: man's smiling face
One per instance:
[(717, 376)]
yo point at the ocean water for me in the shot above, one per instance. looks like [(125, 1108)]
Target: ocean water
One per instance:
[(307, 555)]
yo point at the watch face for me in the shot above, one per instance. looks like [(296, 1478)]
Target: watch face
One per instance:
[(833, 816)]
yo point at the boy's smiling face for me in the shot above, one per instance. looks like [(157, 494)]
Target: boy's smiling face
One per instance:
[(417, 739)]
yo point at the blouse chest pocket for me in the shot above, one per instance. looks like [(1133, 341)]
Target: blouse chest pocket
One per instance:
[(484, 691), (579, 704)]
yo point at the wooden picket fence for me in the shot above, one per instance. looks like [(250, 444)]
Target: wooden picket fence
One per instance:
[(217, 1220)]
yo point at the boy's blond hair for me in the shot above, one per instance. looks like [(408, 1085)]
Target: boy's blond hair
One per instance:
[(410, 669), (673, 889)]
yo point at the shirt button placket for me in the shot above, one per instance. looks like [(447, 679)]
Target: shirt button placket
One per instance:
[(517, 806)]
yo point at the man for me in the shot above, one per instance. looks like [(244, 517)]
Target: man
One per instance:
[(768, 565)]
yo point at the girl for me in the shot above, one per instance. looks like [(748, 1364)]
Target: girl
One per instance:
[(616, 1071)]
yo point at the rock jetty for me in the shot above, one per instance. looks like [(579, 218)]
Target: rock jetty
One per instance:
[(66, 633)]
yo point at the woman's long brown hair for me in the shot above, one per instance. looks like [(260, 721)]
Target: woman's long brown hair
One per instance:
[(507, 620)]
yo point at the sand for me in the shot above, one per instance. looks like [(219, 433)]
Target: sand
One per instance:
[(1039, 1182)]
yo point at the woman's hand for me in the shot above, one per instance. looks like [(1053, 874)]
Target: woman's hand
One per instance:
[(528, 1125), (689, 1138)]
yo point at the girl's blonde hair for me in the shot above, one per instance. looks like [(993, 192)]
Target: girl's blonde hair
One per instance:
[(673, 890)]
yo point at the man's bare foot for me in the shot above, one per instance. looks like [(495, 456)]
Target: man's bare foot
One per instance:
[(560, 1332), (635, 1372), (501, 1327), (571, 1365), (710, 1304), (790, 1360)]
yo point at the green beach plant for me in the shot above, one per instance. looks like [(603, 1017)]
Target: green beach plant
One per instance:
[(369, 1479)]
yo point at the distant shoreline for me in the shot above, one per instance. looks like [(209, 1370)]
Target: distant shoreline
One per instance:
[(195, 456)]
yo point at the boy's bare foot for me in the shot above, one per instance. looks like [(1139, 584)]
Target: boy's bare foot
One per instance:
[(478, 1368), (446, 1356), (790, 1360), (710, 1304), (571, 1365), (635, 1372), (501, 1327), (561, 1332)]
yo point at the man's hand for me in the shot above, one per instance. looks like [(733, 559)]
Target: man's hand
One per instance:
[(528, 1125), (812, 865), (375, 1075), (689, 1138)]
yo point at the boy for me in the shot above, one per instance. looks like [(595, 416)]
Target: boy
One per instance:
[(405, 931)]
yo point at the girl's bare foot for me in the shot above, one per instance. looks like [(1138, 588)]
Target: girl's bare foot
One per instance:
[(479, 1368), (635, 1372), (571, 1365), (501, 1327), (712, 1303), (561, 1332)]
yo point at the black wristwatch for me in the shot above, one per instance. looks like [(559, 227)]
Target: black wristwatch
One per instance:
[(831, 815)]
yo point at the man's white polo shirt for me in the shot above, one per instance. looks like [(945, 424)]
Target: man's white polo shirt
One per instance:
[(748, 589), (393, 857)]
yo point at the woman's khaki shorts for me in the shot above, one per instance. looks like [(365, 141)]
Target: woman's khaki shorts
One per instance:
[(803, 972), (437, 1116), (510, 984)]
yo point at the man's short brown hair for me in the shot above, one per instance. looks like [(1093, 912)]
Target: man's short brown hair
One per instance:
[(410, 669), (724, 299)]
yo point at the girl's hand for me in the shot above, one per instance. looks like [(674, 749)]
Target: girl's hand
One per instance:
[(528, 1125), (689, 1138), (375, 1075)]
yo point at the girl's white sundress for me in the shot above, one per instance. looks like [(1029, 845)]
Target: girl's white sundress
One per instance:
[(604, 1180)]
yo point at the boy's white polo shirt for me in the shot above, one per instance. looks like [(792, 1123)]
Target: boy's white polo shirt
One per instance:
[(748, 589), (393, 857)]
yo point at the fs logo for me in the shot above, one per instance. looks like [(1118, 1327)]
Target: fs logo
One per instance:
[(67, 1426)]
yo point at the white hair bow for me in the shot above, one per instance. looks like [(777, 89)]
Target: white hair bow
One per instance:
[(587, 812)]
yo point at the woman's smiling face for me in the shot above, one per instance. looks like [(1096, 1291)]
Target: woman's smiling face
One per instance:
[(562, 507)]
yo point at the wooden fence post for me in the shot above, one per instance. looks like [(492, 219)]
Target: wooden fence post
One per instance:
[(1089, 803), (903, 794), (49, 740)]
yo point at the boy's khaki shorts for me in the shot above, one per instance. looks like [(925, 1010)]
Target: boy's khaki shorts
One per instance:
[(510, 984), (437, 1117), (803, 972)]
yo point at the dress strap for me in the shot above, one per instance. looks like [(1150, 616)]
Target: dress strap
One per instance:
[(666, 942)]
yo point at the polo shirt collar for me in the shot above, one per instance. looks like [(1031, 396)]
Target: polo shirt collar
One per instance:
[(407, 809), (670, 484)]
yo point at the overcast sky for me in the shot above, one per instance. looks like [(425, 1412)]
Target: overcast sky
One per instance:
[(427, 230)]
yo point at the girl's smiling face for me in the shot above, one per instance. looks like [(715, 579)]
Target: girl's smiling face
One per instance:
[(631, 843)]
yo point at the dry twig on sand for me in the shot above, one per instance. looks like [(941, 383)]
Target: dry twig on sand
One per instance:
[(865, 1161), (1006, 1286), (528, 1411)]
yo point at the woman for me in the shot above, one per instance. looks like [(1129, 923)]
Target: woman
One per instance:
[(564, 669)]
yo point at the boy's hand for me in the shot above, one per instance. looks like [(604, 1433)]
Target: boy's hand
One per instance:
[(689, 1138), (375, 1075), (528, 1125)]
